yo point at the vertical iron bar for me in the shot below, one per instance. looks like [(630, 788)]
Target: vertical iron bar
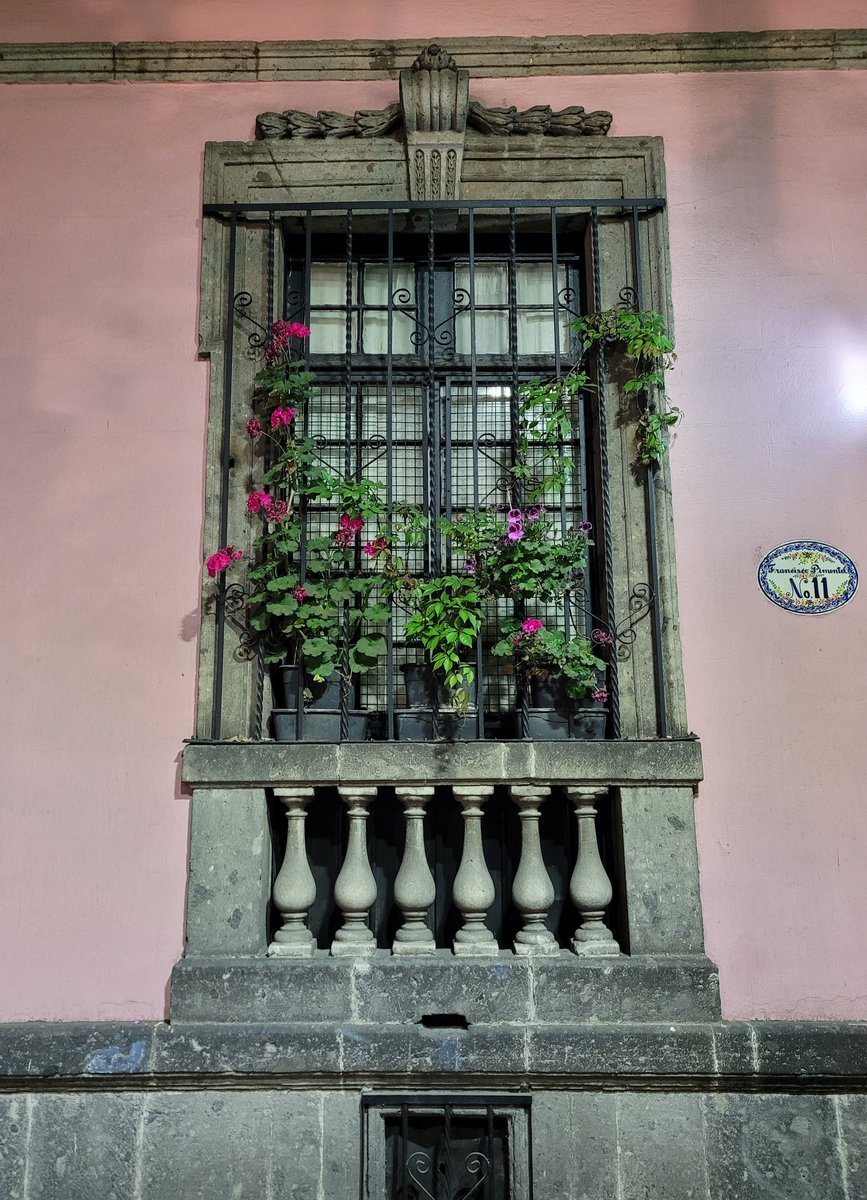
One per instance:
[(260, 657), (555, 284), (347, 467), (490, 1133), (605, 479), (434, 410), (404, 1145), (226, 451), (446, 393), (652, 550), (389, 478), (530, 1150), (515, 418), (308, 263), (433, 440), (474, 417), (303, 513)]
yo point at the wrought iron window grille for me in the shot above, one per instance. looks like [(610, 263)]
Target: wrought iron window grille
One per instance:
[(446, 1147), (430, 316)]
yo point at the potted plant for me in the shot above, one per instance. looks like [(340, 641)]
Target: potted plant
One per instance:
[(317, 618), (563, 675), (520, 554), (445, 616)]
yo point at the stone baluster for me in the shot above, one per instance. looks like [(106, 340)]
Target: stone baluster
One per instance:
[(294, 888), (355, 886), (474, 888), (590, 887), (414, 887), (532, 889)]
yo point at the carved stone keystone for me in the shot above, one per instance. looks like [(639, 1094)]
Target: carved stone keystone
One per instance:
[(294, 888), (590, 887), (435, 96), (414, 887)]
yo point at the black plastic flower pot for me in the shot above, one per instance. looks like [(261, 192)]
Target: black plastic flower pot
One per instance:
[(286, 688), (326, 693), (424, 689), (318, 726), (589, 721), (285, 685), (586, 723), (418, 726), (549, 691)]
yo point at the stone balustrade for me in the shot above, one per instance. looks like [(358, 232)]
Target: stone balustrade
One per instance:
[(473, 890)]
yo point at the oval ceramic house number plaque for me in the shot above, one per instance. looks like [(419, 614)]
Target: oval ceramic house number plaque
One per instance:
[(808, 577)]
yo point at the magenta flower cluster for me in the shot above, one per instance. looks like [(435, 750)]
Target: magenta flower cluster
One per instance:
[(349, 527), (517, 518), (282, 416), (262, 502), (376, 547), (516, 525), (223, 559), (282, 332), (259, 502), (602, 638)]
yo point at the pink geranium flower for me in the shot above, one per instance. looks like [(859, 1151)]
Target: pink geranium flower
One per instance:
[(283, 416), (223, 559), (259, 502), (300, 593), (254, 427), (599, 694), (282, 333), (532, 625)]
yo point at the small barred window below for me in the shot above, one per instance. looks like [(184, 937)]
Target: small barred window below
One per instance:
[(446, 1147)]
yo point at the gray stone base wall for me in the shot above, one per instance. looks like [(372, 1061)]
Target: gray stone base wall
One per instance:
[(219, 1143), (201, 1111)]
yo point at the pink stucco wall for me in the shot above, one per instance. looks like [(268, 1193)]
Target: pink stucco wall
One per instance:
[(104, 404), (260, 20)]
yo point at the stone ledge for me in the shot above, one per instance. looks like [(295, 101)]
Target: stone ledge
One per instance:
[(654, 763), (387, 991), (595, 54), (754, 1056)]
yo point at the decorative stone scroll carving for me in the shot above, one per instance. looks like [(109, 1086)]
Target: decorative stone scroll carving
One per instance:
[(568, 122), (434, 114), (367, 123)]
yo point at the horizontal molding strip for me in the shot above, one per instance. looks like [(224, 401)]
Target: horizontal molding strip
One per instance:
[(493, 57)]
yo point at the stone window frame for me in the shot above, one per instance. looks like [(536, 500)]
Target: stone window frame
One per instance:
[(498, 154)]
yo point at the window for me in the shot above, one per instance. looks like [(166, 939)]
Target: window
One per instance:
[(426, 323), (446, 1147)]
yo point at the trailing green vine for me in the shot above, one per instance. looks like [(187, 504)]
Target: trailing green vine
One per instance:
[(649, 348)]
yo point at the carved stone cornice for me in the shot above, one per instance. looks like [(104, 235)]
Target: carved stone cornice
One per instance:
[(484, 57), (540, 119), (433, 116)]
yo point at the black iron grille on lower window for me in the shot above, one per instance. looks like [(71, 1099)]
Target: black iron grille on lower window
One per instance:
[(433, 1147), (426, 321)]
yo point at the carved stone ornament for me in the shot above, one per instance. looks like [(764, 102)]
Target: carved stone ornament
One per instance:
[(433, 114)]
